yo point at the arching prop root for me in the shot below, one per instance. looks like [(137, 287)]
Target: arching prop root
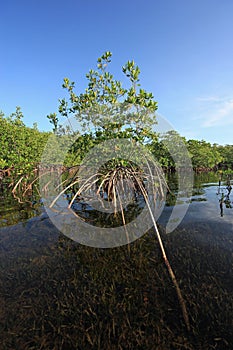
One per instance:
[(112, 183)]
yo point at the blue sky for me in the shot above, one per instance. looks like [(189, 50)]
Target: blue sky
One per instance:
[(184, 49)]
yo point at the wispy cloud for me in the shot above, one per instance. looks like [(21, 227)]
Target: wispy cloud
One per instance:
[(208, 99), (215, 111)]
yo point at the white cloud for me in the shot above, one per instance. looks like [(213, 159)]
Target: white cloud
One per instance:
[(208, 99), (215, 111)]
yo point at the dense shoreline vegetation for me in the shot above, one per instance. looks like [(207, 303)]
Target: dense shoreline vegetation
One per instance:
[(21, 148)]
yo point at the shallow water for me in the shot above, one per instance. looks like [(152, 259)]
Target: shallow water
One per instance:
[(54, 291), (204, 204)]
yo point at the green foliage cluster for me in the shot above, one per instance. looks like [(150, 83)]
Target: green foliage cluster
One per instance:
[(226, 153), (106, 107), (20, 146), (168, 148), (203, 154), (105, 110)]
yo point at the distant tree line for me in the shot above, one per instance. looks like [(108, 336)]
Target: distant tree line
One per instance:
[(21, 148), (204, 155)]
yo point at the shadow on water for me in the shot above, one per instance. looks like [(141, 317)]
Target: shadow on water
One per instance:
[(57, 294)]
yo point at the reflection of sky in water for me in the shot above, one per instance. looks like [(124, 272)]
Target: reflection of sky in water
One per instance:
[(204, 205), (202, 222)]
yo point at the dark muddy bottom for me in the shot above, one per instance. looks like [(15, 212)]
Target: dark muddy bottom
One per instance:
[(57, 294)]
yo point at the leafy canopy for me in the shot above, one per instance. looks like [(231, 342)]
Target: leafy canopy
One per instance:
[(107, 105), (20, 146)]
